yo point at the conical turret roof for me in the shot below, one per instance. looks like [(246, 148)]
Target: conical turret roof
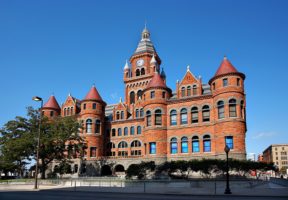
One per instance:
[(93, 94), (156, 81), (225, 67), (52, 103)]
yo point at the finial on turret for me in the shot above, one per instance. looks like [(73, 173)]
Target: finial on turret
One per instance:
[(188, 68), (126, 65), (120, 101), (69, 94), (225, 57), (153, 60)]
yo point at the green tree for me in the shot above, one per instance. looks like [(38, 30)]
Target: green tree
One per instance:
[(18, 141)]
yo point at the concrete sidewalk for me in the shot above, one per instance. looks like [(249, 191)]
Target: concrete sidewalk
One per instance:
[(264, 190)]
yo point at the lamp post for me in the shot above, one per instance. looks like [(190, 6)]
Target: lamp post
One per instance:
[(227, 190), (38, 141)]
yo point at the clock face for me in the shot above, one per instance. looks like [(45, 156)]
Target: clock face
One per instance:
[(140, 62)]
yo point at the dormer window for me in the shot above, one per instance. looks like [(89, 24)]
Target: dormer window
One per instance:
[(238, 81), (84, 106), (94, 106)]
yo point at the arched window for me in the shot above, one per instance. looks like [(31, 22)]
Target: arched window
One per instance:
[(123, 144), (65, 113), (188, 91), (136, 143), (132, 97), (183, 92), (119, 132), (206, 143), (137, 113), (113, 132), (194, 90), (184, 145), (206, 113), (138, 72), (148, 118), (221, 110), (139, 131), (158, 117), (122, 114), (173, 146), (139, 94), (132, 130), (141, 112), (68, 111), (195, 144), (125, 131), (88, 126), (97, 126), (117, 116), (242, 110), (183, 116), (173, 118), (142, 71), (232, 108), (194, 115)]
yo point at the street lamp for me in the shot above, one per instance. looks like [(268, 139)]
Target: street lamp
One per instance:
[(38, 141), (227, 190)]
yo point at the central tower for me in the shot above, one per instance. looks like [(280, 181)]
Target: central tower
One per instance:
[(145, 62)]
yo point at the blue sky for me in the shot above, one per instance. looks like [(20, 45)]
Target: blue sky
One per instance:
[(65, 46)]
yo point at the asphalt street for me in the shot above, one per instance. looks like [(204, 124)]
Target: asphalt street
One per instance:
[(55, 195)]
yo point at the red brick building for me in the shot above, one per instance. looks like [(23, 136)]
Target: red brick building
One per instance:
[(155, 123)]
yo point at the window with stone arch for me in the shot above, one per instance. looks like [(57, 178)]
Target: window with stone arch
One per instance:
[(65, 113), (136, 143), (173, 117), (183, 92), (232, 108), (139, 130), (189, 91), (194, 115), (122, 114), (206, 143), (142, 71), (122, 144), (113, 132), (184, 145), (206, 113), (89, 126), (97, 126), (158, 117), (125, 131), (132, 97), (117, 115), (195, 144), (242, 110), (173, 145), (139, 94), (221, 109), (194, 90), (148, 118), (119, 132), (137, 72), (132, 130), (68, 111), (183, 116), (141, 112)]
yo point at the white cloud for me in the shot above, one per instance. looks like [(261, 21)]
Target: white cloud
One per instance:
[(114, 96), (261, 135)]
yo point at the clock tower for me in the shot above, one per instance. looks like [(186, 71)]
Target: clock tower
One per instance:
[(145, 62)]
